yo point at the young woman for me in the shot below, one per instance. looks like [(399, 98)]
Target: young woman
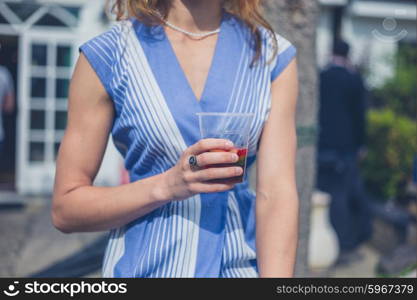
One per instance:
[(143, 81)]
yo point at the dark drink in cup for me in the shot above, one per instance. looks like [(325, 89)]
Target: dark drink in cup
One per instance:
[(242, 153), (234, 127)]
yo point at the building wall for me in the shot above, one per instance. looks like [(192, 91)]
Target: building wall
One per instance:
[(324, 36), (36, 176), (365, 26), (374, 46)]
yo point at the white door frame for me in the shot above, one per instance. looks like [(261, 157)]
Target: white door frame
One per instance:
[(38, 177), (34, 177)]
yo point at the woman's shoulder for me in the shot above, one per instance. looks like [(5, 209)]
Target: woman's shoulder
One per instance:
[(269, 38), (105, 50), (112, 35), (107, 47), (279, 48), (282, 41)]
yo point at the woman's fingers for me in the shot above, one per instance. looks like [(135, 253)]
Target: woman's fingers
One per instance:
[(215, 173), (212, 158), (206, 145)]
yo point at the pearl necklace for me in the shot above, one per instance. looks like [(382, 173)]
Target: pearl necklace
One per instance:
[(192, 34)]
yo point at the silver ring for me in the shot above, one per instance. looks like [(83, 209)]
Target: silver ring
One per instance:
[(192, 160)]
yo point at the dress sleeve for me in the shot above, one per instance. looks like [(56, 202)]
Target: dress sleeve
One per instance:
[(286, 52), (101, 53)]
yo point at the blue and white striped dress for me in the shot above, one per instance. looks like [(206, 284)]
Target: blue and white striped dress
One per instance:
[(210, 234)]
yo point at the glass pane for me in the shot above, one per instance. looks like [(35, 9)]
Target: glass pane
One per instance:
[(39, 54), (37, 119), (38, 89), (63, 58), (3, 20), (36, 151), (60, 120), (50, 20), (73, 10), (62, 86), (23, 10), (56, 149)]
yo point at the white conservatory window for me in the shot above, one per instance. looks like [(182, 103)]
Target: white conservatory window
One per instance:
[(47, 33), (39, 14)]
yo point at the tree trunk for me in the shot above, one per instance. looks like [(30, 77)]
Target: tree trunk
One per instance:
[(296, 20)]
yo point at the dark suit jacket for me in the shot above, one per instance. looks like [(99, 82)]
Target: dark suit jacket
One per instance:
[(342, 112)]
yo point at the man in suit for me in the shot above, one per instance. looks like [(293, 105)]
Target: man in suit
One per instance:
[(341, 146)]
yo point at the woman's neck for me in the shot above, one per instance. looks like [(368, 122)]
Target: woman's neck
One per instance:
[(195, 15)]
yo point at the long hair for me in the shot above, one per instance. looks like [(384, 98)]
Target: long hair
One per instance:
[(249, 11)]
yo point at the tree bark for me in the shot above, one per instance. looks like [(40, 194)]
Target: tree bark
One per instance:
[(296, 20)]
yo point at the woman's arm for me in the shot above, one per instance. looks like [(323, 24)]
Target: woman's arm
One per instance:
[(80, 206), (277, 199), (77, 205)]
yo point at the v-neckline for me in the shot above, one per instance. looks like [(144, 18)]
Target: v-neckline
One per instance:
[(170, 79), (212, 67)]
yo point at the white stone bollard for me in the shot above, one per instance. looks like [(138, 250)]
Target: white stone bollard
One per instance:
[(323, 244)]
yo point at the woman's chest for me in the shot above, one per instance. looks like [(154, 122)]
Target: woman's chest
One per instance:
[(157, 105), (165, 122), (195, 59)]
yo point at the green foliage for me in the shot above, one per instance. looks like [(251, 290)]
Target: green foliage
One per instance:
[(391, 147), (392, 129), (399, 92)]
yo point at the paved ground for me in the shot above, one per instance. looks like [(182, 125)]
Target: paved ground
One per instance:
[(14, 228), (363, 268), (29, 243)]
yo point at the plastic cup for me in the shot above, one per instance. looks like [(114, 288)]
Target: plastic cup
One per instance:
[(230, 126)]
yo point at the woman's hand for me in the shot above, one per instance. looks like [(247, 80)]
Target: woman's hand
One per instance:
[(183, 182)]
